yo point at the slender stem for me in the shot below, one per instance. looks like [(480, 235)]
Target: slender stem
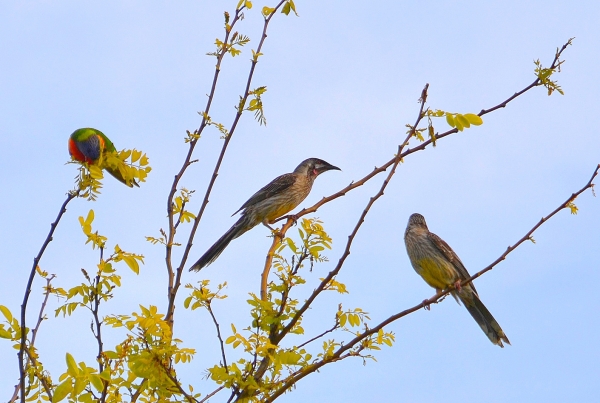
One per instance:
[(98, 325), (214, 392), (212, 315), (333, 328), (36, 261), (34, 333)]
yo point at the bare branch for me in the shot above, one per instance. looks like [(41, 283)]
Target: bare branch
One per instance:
[(333, 328), (34, 333), (98, 324), (220, 388), (36, 261), (212, 315)]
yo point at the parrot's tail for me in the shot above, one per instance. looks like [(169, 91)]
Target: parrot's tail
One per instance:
[(484, 319), (241, 226), (117, 174)]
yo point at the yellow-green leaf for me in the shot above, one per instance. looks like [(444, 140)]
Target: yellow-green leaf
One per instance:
[(79, 386), (135, 155), (450, 119), (6, 312), (473, 119), (96, 172), (111, 354), (266, 11), (96, 381), (5, 334), (463, 121), (72, 366), (132, 263), (62, 391)]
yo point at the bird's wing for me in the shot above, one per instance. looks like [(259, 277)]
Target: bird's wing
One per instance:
[(108, 145), (452, 257), (276, 186)]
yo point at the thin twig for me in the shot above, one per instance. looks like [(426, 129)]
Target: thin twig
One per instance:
[(220, 388), (36, 261), (286, 292), (98, 323), (34, 333), (176, 382), (333, 328), (212, 315)]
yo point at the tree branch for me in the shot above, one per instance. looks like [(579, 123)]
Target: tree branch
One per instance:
[(98, 323), (36, 260), (173, 287), (173, 282), (212, 315), (220, 388), (34, 333)]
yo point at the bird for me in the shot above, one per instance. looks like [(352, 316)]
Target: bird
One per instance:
[(87, 145), (441, 268), (274, 200)]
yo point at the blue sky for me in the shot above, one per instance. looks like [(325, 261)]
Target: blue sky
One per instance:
[(343, 80)]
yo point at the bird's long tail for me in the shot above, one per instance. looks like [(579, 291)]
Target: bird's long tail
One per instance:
[(484, 319), (117, 174), (241, 226)]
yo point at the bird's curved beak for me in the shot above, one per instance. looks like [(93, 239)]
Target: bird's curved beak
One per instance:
[(326, 167)]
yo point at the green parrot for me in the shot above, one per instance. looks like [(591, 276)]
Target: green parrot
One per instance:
[(87, 145)]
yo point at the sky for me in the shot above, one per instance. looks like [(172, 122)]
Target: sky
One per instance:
[(343, 80)]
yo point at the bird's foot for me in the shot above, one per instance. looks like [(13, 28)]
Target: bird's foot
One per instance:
[(457, 285), (426, 305), (293, 217)]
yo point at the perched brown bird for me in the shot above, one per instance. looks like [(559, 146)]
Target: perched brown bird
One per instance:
[(435, 261), (279, 197)]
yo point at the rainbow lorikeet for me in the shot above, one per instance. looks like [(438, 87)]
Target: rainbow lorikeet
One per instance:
[(87, 145)]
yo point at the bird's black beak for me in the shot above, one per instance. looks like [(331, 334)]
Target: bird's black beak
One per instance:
[(326, 167)]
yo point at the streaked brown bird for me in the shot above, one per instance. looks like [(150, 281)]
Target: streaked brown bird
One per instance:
[(279, 197), (435, 261)]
